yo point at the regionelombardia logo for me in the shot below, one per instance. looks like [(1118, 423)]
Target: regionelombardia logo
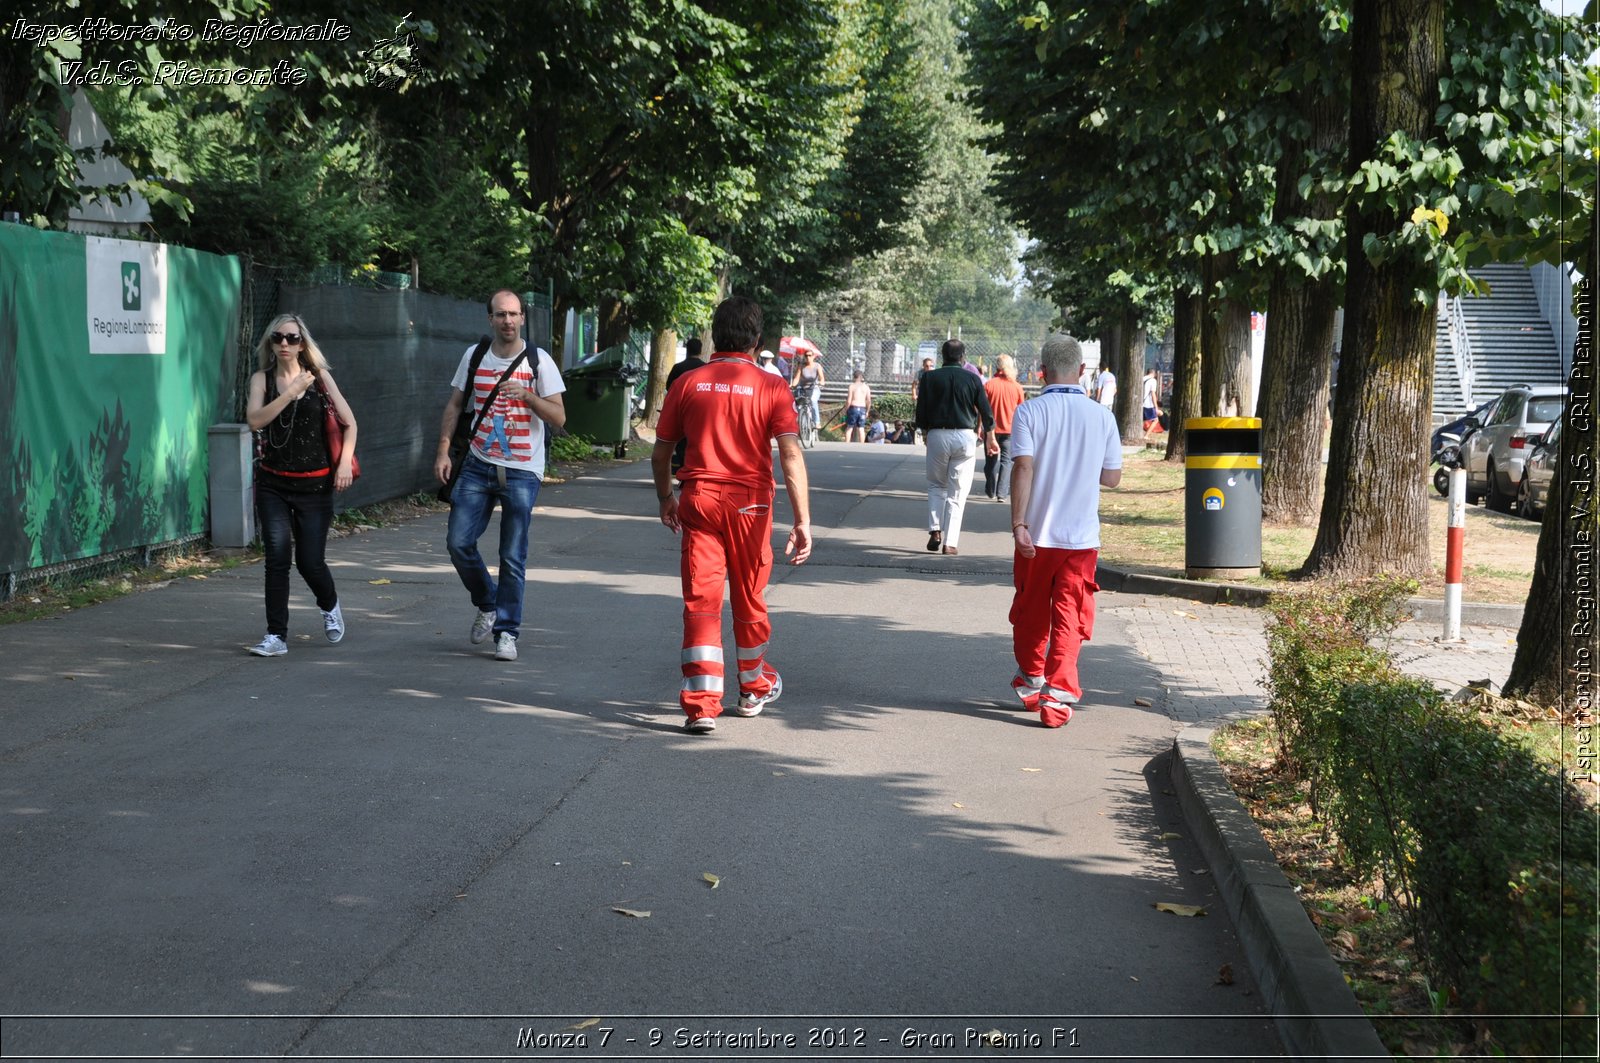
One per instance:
[(130, 286)]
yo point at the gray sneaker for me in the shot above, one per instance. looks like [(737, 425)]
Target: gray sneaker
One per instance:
[(505, 647), (270, 646), (482, 625), (750, 705), (333, 623)]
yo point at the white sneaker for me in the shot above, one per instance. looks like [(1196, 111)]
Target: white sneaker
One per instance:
[(482, 625), (270, 646), (505, 647), (752, 706), (333, 623), (701, 725)]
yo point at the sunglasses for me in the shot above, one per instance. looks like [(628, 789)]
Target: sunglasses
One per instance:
[(291, 338)]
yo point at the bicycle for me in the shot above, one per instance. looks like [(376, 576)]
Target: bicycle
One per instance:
[(808, 417)]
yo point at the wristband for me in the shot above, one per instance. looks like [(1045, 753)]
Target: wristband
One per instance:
[(663, 498), (1019, 524)]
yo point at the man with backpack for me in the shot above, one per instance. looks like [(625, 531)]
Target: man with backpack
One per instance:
[(515, 400)]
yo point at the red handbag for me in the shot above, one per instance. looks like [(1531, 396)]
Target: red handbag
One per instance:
[(333, 428)]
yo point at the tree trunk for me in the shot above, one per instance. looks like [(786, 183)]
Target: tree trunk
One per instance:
[(1294, 398), (1185, 401), (1225, 343), (663, 353), (1129, 369), (1558, 648), (1374, 507), (1298, 357), (612, 323)]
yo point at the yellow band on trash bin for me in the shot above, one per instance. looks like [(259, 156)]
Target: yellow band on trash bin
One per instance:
[(1222, 461), (1206, 423)]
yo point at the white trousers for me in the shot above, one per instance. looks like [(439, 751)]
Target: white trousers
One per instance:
[(952, 456)]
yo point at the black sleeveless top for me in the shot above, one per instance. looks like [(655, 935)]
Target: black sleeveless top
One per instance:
[(294, 444)]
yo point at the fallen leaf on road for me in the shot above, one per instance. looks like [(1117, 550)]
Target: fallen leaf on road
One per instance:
[(1033, 769), (196, 575), (379, 582), (1347, 939), (1169, 836), (1180, 612), (1143, 703), (1201, 871), (1187, 910), (584, 1025), (69, 677), (631, 913), (780, 774), (1225, 975), (713, 879)]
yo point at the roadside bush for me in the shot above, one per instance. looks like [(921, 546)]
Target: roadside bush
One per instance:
[(571, 448), (1490, 855), (894, 406), (1317, 643)]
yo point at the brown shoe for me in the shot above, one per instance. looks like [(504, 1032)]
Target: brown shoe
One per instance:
[(950, 551)]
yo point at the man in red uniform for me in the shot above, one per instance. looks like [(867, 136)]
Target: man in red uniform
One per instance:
[(728, 411)]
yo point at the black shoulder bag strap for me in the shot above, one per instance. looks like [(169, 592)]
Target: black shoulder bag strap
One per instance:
[(462, 440)]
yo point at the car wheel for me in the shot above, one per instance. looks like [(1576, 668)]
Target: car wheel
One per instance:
[(1524, 504), (1498, 500), (1441, 481)]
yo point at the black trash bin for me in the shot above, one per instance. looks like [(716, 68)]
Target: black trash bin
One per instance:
[(1222, 497), (599, 402)]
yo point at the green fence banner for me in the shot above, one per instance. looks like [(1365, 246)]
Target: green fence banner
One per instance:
[(114, 355)]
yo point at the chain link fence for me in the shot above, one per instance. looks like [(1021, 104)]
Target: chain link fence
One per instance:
[(890, 359)]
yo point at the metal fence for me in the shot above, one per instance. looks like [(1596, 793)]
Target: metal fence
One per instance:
[(890, 358)]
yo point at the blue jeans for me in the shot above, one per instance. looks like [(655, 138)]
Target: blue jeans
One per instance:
[(472, 503), (997, 468), (294, 526)]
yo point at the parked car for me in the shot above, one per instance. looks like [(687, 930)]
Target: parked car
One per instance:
[(1494, 454), (1534, 488)]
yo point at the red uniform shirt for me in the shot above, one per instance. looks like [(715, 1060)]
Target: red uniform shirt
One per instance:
[(729, 410)]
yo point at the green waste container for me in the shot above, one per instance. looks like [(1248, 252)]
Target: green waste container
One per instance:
[(1222, 497), (599, 402)]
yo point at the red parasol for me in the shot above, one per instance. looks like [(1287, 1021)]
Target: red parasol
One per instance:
[(790, 346)]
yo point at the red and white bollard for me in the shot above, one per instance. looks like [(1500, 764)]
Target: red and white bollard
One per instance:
[(1454, 547)]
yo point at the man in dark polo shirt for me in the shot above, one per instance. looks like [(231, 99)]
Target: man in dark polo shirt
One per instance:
[(951, 405)]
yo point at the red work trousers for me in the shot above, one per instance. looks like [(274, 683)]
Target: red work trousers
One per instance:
[(1052, 615), (727, 535)]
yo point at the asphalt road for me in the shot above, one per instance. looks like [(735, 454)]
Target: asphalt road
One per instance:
[(399, 847)]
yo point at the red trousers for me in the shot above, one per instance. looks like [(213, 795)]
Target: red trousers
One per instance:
[(727, 536), (1052, 615)]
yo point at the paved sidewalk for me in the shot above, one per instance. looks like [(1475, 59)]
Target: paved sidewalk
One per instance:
[(399, 847)]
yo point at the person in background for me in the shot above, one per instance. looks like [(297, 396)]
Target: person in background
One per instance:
[(876, 432), (1150, 400), (764, 362), (808, 380), (1005, 395), (857, 401), (952, 411), (1066, 449), (691, 361), (1105, 388), (295, 483)]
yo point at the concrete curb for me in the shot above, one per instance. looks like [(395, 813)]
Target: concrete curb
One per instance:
[(1426, 610), (1316, 1013)]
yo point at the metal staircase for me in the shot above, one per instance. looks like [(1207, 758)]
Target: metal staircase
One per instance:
[(1489, 343)]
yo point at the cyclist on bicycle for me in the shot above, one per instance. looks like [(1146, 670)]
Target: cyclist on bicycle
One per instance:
[(807, 383)]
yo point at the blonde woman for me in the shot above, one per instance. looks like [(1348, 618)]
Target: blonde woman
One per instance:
[(295, 481)]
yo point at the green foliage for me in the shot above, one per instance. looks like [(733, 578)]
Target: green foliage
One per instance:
[(568, 447), (894, 406), (1491, 856)]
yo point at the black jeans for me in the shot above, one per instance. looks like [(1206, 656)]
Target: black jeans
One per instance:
[(297, 522)]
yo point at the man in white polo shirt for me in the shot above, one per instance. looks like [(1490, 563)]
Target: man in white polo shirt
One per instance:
[(1064, 448)]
